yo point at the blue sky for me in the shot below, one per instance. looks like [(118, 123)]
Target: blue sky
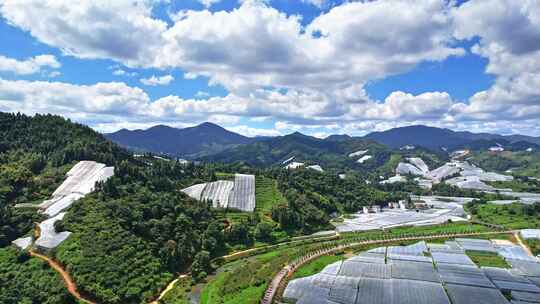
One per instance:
[(274, 67)]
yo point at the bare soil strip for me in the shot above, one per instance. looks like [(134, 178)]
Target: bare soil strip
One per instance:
[(70, 284)]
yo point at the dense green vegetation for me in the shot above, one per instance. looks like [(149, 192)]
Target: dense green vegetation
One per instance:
[(513, 216), (491, 259), (330, 153), (29, 280), (521, 163), (132, 233), (313, 196), (519, 184), (245, 281), (267, 194), (35, 153)]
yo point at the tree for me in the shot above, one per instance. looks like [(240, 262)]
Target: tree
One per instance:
[(201, 265), (263, 232)]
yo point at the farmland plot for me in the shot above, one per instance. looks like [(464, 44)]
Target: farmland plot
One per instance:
[(218, 192), (49, 238), (243, 197), (404, 280), (81, 180), (239, 194)]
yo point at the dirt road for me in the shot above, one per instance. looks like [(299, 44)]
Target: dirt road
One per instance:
[(68, 281)]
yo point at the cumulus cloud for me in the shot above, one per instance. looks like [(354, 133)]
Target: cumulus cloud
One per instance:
[(92, 28), (509, 36), (155, 81), (304, 76), (249, 47), (29, 66)]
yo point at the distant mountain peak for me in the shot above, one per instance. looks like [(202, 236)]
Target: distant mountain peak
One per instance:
[(202, 139), (436, 138)]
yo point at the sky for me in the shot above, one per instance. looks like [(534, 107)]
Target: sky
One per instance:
[(271, 67)]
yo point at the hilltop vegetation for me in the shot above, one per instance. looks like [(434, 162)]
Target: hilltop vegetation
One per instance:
[(329, 153), (131, 235), (35, 153), (520, 163), (313, 196)]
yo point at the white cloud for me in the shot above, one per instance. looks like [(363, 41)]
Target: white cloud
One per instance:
[(29, 66), (208, 3), (122, 30), (250, 47), (202, 94), (252, 132), (317, 3), (106, 106), (155, 81), (121, 72), (303, 75), (509, 36)]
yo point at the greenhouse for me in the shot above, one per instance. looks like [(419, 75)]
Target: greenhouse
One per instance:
[(238, 194), (417, 274)]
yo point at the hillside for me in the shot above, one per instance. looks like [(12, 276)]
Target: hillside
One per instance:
[(329, 153), (128, 237), (437, 138), (199, 140)]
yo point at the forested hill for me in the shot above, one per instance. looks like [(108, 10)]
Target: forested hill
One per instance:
[(202, 139), (34, 155), (128, 237), (58, 140), (331, 152), (437, 138)]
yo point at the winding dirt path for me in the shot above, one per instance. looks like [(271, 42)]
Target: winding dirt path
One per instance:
[(522, 244), (68, 281), (169, 287)]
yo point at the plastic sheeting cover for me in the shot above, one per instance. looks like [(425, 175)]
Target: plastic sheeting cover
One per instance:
[(451, 258), (461, 294), (48, 238), (243, 196), (23, 243), (417, 292), (218, 192)]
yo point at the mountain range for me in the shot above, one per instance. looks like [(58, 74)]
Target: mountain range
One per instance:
[(208, 139)]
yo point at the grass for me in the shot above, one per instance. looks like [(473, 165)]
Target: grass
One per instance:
[(491, 259), (225, 176), (245, 281), (316, 265), (510, 216), (179, 294), (516, 185), (267, 194)]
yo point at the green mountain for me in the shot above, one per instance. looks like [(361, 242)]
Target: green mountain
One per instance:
[(328, 153), (437, 138), (199, 140), (128, 237)]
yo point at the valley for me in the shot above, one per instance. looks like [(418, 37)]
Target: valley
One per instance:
[(132, 227)]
